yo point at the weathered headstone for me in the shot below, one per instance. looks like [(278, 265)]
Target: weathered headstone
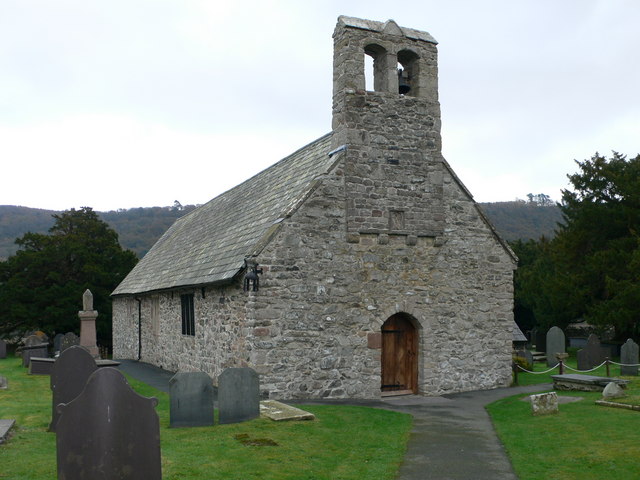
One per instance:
[(527, 355), (613, 390), (591, 355), (57, 342), (191, 400), (69, 339), (33, 347), (629, 356), (238, 395), (3, 348), (4, 384), (68, 378), (544, 403), (555, 344), (108, 432)]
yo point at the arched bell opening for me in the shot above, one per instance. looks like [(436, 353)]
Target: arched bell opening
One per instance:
[(376, 68), (408, 73), (399, 359)]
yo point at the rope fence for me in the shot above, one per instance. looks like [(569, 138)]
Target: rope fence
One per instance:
[(561, 366)]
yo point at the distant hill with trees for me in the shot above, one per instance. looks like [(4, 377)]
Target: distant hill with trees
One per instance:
[(139, 228)]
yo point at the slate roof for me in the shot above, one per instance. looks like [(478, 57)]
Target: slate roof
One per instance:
[(209, 244)]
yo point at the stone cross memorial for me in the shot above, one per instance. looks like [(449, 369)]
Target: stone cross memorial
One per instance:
[(108, 432), (238, 395), (591, 355), (68, 378), (629, 356), (555, 344), (191, 400)]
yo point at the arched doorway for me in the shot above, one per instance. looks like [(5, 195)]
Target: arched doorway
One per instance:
[(399, 356)]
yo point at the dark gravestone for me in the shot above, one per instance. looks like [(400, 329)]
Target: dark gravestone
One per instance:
[(592, 355), (191, 403), (69, 339), (3, 349), (108, 432), (541, 341), (238, 395), (555, 344), (68, 377), (57, 342), (629, 355)]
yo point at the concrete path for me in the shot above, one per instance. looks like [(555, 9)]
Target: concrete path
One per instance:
[(452, 439)]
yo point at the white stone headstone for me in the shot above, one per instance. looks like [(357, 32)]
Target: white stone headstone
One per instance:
[(612, 390)]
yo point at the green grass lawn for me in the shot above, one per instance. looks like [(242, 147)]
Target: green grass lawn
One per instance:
[(584, 441), (344, 442)]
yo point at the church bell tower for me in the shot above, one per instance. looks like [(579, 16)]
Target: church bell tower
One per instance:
[(394, 166)]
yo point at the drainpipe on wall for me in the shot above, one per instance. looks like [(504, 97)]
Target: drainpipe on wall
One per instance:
[(139, 328)]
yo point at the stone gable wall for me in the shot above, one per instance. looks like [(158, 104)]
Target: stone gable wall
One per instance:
[(322, 298)]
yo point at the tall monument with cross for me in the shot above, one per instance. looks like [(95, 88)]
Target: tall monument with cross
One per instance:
[(88, 324)]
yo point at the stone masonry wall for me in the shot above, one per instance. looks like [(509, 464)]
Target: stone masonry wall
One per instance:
[(219, 340), (322, 297)]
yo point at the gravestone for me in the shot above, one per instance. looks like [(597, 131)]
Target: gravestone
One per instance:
[(3, 348), (191, 400), (33, 347), (544, 403), (4, 384), (629, 355), (88, 324), (528, 357), (591, 355), (555, 344), (238, 395), (68, 378), (541, 341), (69, 339), (110, 431), (57, 342)]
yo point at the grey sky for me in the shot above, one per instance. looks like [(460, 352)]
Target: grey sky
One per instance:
[(127, 103)]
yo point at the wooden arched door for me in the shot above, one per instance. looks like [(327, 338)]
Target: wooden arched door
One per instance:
[(399, 356)]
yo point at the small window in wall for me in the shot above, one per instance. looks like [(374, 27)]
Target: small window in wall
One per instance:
[(155, 315), (188, 315)]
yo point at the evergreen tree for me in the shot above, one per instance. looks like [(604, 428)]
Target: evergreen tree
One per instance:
[(41, 286)]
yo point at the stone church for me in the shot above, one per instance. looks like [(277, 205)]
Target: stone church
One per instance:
[(358, 266)]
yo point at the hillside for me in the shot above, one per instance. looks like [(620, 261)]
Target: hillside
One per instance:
[(522, 220), (139, 228)]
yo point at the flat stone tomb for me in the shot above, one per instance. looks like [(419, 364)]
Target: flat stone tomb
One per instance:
[(279, 412), (629, 355), (69, 376), (555, 344), (592, 354), (544, 403), (3, 349), (5, 428), (238, 395), (110, 430), (191, 400), (584, 383)]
